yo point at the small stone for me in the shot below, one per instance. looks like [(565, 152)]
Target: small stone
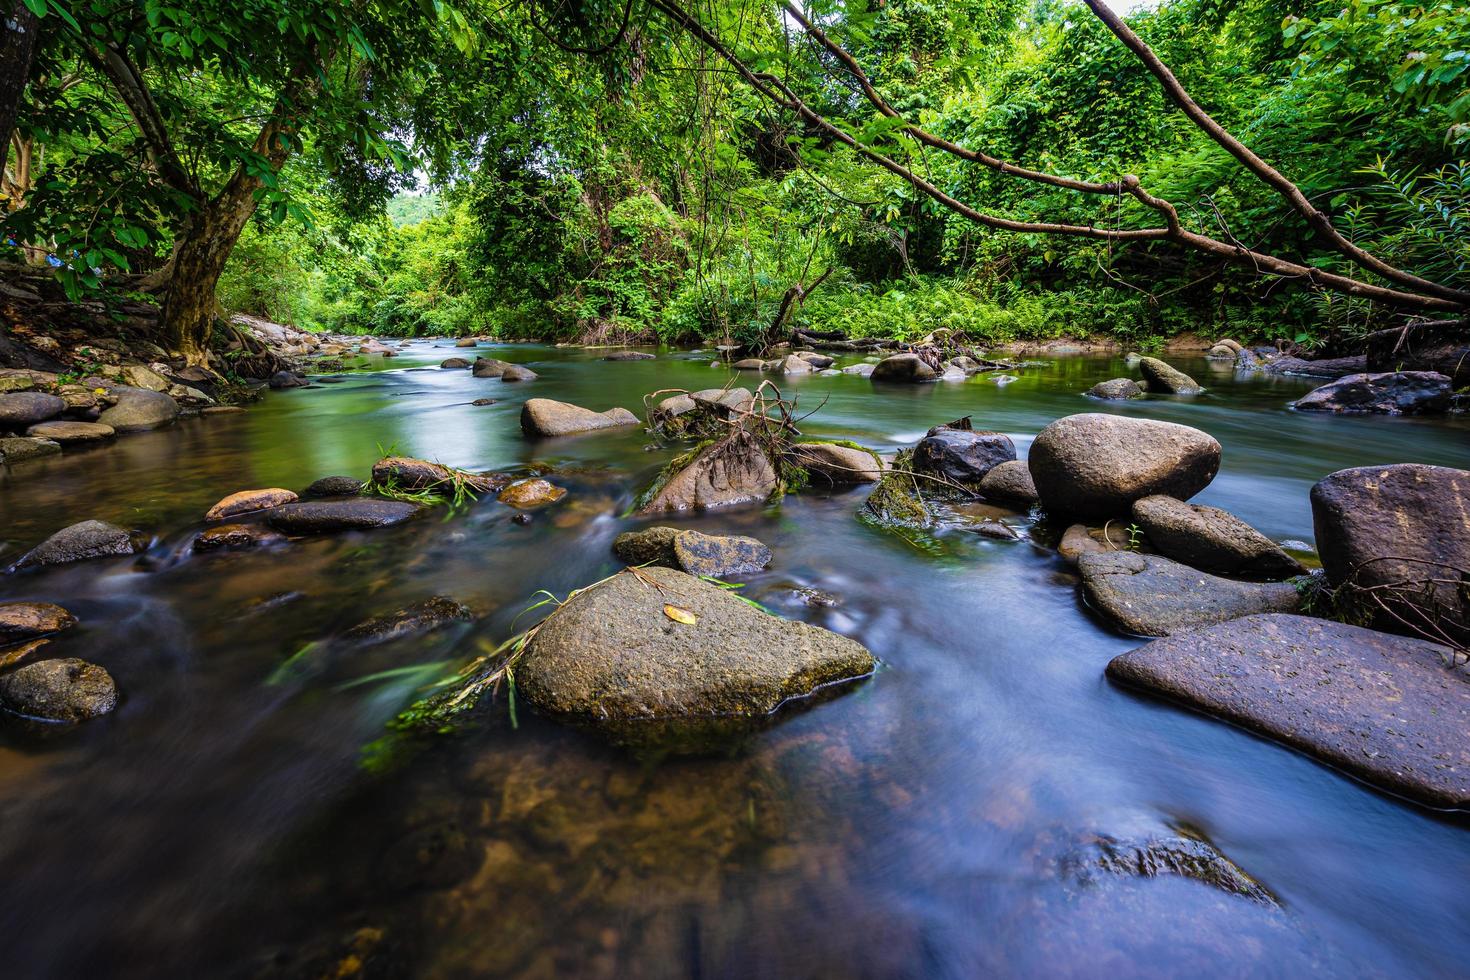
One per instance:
[(533, 492), (24, 620), (429, 614), (829, 464), (245, 501), (236, 537), (78, 542), (629, 355), (482, 402), (456, 363), (1116, 389), (68, 690), (334, 486)]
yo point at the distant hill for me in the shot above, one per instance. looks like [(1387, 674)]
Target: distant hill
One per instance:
[(410, 209)]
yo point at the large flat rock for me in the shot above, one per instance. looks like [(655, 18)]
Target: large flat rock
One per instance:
[(1387, 709), (329, 516), (1153, 596)]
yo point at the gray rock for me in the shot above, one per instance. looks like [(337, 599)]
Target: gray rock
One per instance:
[(653, 545), (1387, 709), (428, 614), (290, 379), (23, 620), (1115, 390), (334, 486), (86, 539), (816, 360), (903, 368), (963, 456), (1395, 541), (1211, 539), (734, 470), (489, 367), (515, 372), (21, 409), (719, 555), (547, 417), (71, 432), (1153, 596), (138, 409), (139, 376), (14, 450), (721, 400), (629, 355), (828, 464), (791, 364), (1010, 482), (611, 654), (328, 516), (1166, 380), (1096, 465), (68, 690), (1394, 393), (861, 370), (454, 363), (1326, 368), (749, 364)]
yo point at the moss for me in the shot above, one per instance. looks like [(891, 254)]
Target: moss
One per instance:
[(671, 469), (895, 499)]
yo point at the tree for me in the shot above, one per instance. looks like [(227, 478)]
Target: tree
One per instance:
[(17, 54)]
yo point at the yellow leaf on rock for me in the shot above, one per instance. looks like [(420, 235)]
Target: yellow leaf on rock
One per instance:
[(680, 615)]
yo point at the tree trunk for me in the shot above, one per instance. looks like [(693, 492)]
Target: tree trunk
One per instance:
[(198, 261), (17, 54)]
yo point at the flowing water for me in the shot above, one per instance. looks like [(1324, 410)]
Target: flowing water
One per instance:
[(230, 819)]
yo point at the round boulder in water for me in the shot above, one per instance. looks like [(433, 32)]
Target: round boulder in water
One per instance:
[(138, 409), (20, 409), (962, 455), (1096, 465), (68, 690)]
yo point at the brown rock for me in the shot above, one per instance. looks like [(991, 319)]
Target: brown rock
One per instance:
[(236, 537), (1211, 539), (535, 492), (829, 464), (70, 432), (406, 473), (245, 501), (733, 470), (24, 620), (547, 417)]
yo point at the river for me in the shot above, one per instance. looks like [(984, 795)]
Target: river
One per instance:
[(229, 820)]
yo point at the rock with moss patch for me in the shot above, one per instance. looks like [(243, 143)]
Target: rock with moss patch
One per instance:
[(1152, 596), (406, 473), (613, 655), (832, 464), (19, 448), (897, 499), (729, 471), (1118, 389), (654, 545), (67, 690)]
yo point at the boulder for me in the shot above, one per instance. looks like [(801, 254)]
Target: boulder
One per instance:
[(861, 370), (428, 614), (1153, 596), (86, 539), (515, 372), (547, 417), (1009, 481), (21, 409), (138, 376), (236, 537), (903, 367), (612, 654), (328, 516), (138, 409), (489, 367), (24, 620), (791, 364), (1394, 393), (534, 492), (1387, 709), (830, 464), (816, 360), (732, 470), (245, 501), (1395, 541), (68, 690), (721, 399), (629, 355), (963, 456), (465, 342), (454, 362), (406, 473), (1095, 465), (719, 555), (14, 450), (1211, 539), (654, 545), (71, 432), (1115, 390), (749, 364), (291, 379), (1163, 379), (334, 486)]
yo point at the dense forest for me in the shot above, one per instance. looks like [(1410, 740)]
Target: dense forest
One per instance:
[(591, 170)]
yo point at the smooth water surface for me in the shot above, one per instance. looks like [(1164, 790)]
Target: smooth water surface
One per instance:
[(226, 820)]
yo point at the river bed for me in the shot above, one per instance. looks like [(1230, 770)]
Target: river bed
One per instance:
[(230, 819)]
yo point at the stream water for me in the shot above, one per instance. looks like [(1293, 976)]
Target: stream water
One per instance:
[(226, 820)]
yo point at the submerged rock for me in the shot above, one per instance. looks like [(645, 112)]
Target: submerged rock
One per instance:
[(629, 355), (1010, 482), (427, 614), (861, 370), (1396, 393), (22, 409), (14, 450), (612, 654), (1116, 389), (334, 486), (71, 432), (245, 501), (24, 620), (406, 473), (1153, 596), (1388, 709), (1163, 379), (896, 500), (732, 470), (749, 364), (1395, 542), (80, 541), (1175, 854), (904, 368), (328, 516), (547, 417), (236, 537), (962, 456), (535, 492), (291, 379), (1211, 539), (138, 409), (831, 464), (1095, 465), (67, 690)]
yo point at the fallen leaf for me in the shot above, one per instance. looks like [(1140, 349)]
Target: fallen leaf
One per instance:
[(680, 615)]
